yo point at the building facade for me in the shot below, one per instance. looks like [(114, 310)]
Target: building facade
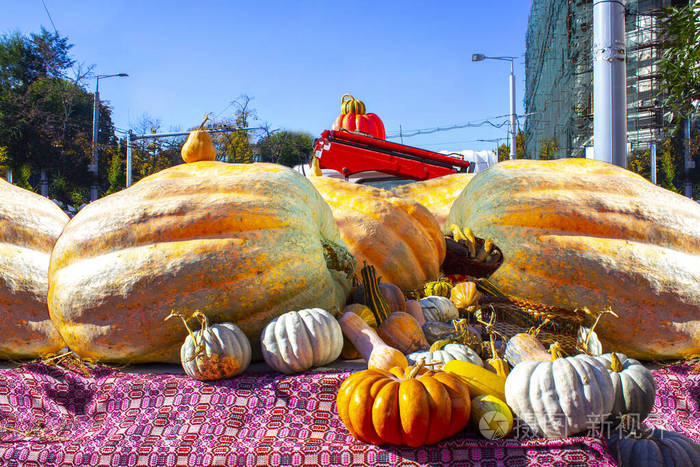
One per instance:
[(559, 77)]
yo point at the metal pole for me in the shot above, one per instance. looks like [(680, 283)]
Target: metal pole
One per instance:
[(95, 120), (609, 82), (8, 175), (44, 184), (512, 112), (652, 156), (688, 161), (128, 159)]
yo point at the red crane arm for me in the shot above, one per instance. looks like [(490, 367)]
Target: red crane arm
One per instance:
[(350, 153)]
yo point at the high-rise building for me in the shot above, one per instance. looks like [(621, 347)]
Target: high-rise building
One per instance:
[(559, 76)]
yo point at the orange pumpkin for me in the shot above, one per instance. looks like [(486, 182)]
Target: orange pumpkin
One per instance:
[(410, 406), (396, 235), (353, 118), (436, 194), (582, 233), (243, 243), (29, 227)]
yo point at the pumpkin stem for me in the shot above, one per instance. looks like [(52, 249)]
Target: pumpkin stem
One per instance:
[(206, 119), (414, 371), (197, 345), (373, 295), (595, 323), (204, 322), (349, 98), (534, 332), (556, 351), (438, 345), (615, 363)]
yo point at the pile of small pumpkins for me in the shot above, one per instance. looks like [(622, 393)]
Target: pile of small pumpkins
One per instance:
[(244, 244)]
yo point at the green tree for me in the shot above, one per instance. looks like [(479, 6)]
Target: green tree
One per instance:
[(681, 54), (504, 149), (45, 115), (548, 148), (680, 75), (151, 155), (286, 147), (237, 146)]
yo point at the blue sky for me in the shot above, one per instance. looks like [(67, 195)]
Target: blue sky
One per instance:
[(409, 61)]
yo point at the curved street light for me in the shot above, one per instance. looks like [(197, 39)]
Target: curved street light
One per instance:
[(92, 168), (481, 57)]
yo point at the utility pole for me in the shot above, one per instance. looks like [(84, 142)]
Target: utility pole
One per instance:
[(609, 82), (93, 166)]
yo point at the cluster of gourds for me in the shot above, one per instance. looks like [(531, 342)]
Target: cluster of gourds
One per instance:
[(555, 396)]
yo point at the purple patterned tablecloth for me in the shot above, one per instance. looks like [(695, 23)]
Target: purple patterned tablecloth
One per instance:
[(51, 417)]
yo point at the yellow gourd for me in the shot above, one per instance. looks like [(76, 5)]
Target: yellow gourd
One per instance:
[(481, 381), (491, 416), (198, 146)]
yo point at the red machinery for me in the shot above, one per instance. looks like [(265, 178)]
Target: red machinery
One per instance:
[(350, 153)]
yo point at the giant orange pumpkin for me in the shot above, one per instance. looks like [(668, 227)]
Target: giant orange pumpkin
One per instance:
[(29, 227), (398, 236), (242, 243), (436, 194), (583, 233), (408, 406)]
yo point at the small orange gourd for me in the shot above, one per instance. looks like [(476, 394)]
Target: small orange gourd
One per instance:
[(198, 146)]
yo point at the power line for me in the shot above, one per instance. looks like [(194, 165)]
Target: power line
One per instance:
[(49, 15), (473, 124)]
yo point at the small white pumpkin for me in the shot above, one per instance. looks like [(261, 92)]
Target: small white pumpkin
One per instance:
[(633, 385), (560, 398), (299, 340), (437, 308), (214, 352), (445, 354)]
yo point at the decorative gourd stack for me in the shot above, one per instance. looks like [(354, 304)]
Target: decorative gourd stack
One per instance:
[(353, 117)]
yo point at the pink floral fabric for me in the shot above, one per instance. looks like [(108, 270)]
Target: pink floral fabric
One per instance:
[(53, 417)]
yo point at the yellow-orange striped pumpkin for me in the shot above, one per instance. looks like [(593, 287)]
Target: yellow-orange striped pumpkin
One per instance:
[(243, 243)]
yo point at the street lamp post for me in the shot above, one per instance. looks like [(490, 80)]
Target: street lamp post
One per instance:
[(92, 168), (481, 57)]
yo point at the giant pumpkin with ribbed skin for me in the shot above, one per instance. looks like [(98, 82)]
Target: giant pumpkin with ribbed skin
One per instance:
[(243, 243), (436, 194), (29, 227), (397, 235), (583, 233)]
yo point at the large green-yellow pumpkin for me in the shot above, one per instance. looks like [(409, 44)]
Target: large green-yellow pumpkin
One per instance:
[(29, 227), (243, 243), (583, 233), (436, 194), (397, 235)]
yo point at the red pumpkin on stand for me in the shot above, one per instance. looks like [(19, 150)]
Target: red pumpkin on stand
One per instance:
[(353, 118)]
